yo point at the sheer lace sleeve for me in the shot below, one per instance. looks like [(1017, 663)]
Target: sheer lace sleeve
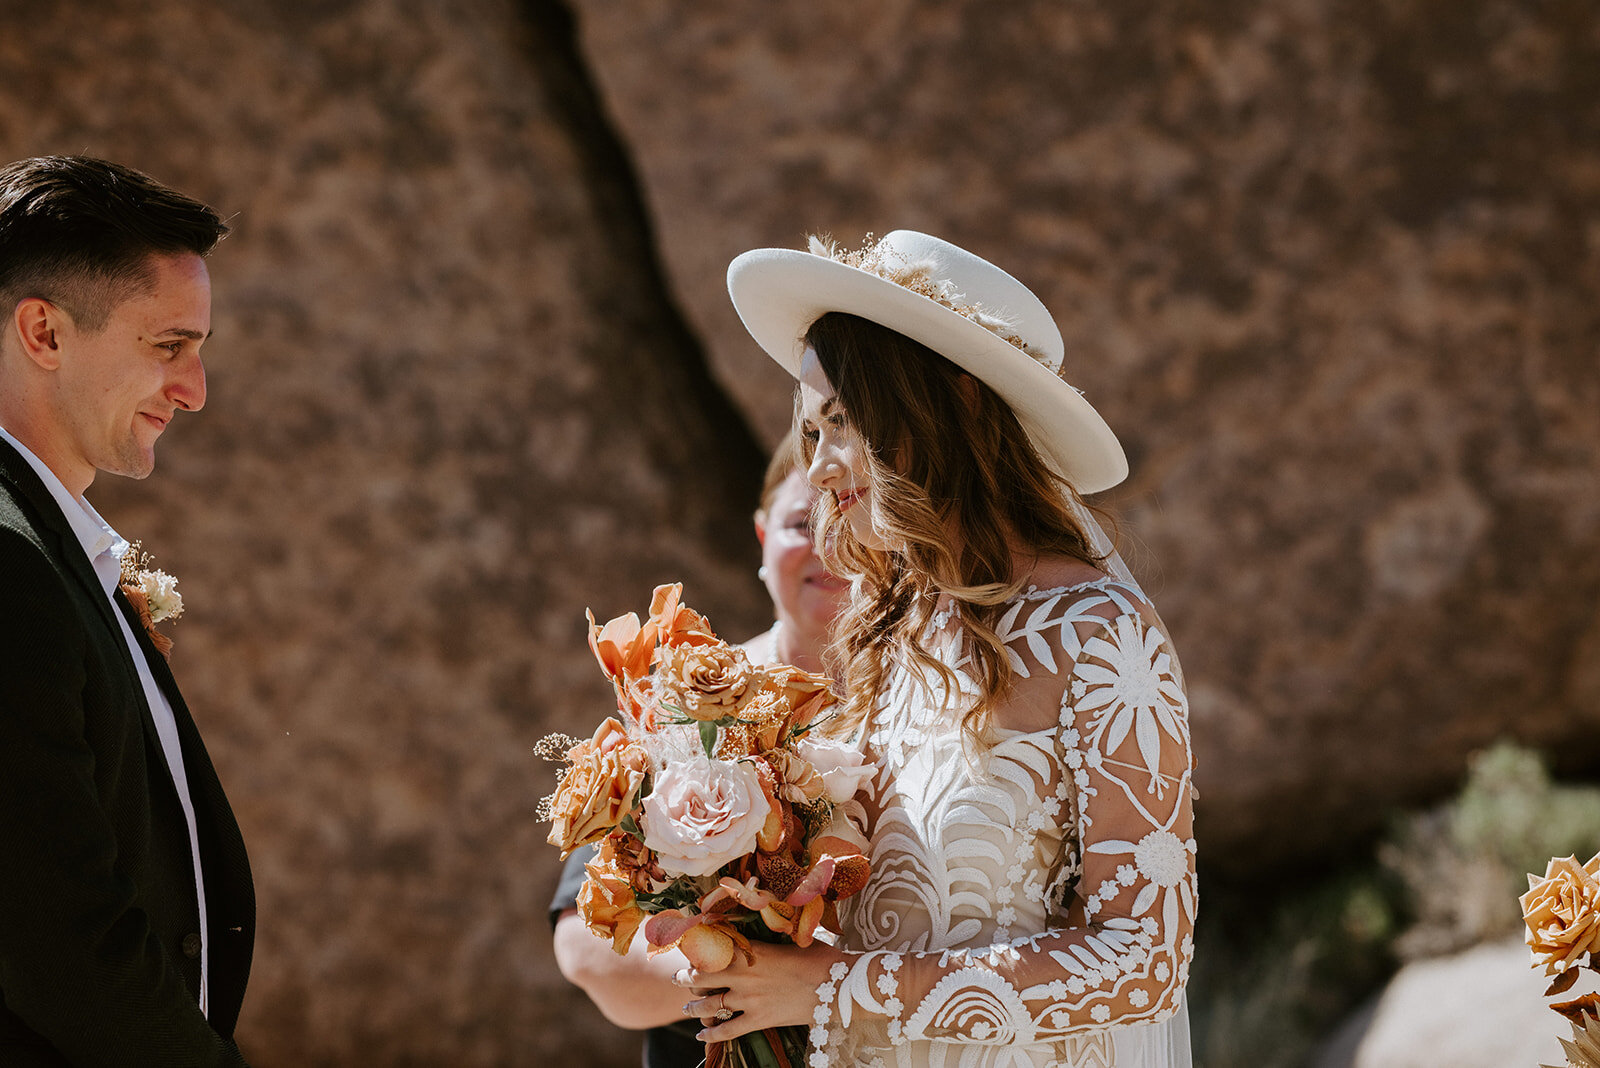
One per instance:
[(1117, 940)]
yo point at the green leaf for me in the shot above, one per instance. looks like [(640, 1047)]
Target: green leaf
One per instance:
[(760, 1049), (708, 738)]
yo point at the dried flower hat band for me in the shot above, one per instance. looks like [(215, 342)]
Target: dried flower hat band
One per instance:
[(876, 257)]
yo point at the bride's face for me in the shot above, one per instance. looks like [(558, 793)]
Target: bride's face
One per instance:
[(839, 463)]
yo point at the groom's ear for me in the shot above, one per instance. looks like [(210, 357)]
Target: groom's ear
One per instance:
[(34, 323)]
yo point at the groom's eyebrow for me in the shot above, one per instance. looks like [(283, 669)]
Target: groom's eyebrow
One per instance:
[(192, 335)]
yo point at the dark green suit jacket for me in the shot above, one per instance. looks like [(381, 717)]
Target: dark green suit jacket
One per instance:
[(99, 926)]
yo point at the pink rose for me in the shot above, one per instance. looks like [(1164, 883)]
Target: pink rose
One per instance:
[(843, 767), (703, 813)]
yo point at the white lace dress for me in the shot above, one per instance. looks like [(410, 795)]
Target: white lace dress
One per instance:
[(1031, 904)]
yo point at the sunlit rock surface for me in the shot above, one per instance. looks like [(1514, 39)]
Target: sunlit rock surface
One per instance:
[(1330, 272)]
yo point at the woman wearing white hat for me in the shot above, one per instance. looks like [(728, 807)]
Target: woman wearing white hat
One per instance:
[(1032, 896)]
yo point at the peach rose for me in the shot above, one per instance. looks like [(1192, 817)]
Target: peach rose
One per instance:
[(607, 905), (600, 788), (802, 782), (703, 813), (806, 694), (708, 682), (1562, 912)]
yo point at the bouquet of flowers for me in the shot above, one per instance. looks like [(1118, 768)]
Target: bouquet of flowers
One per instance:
[(1562, 914), (721, 817)]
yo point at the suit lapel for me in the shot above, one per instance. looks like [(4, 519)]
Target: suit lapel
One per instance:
[(47, 515), (68, 552)]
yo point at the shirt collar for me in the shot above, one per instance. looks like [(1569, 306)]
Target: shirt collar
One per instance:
[(92, 532)]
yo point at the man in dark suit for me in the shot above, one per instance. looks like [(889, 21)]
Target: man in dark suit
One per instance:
[(127, 914)]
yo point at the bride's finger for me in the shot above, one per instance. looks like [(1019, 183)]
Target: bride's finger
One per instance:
[(689, 978), (716, 1030), (711, 1008)]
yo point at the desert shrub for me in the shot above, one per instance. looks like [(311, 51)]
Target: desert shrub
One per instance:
[(1464, 863), (1280, 964)]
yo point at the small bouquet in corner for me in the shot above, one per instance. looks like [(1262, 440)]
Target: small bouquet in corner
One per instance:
[(721, 817), (1562, 914)]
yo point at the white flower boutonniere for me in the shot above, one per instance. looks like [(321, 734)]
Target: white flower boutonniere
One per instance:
[(153, 594)]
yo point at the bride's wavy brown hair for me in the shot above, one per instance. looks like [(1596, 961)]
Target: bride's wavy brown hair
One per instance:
[(957, 488)]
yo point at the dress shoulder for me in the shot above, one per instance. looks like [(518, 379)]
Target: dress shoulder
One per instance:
[(1044, 629)]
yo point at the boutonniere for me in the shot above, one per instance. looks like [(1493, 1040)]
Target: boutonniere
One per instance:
[(153, 594)]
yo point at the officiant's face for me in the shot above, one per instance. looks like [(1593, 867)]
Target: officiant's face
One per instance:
[(804, 595), (121, 385)]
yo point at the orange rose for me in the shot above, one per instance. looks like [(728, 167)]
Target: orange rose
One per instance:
[(1562, 912), (607, 905), (599, 789), (708, 682), (807, 694)]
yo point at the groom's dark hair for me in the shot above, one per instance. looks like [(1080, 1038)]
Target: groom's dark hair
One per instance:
[(79, 232)]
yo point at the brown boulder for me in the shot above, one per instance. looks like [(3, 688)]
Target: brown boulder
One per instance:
[(1330, 272)]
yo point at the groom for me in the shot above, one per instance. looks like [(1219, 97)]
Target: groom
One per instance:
[(127, 914)]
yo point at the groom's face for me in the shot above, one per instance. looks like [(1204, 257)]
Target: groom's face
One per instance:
[(121, 385)]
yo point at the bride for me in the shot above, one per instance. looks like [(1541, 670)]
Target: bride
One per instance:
[(1032, 896)]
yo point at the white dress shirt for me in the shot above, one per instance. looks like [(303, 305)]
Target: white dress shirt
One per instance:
[(105, 548)]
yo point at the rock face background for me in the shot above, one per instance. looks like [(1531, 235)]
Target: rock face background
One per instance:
[(1330, 270)]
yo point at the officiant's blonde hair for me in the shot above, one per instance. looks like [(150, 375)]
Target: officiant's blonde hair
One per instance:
[(957, 485)]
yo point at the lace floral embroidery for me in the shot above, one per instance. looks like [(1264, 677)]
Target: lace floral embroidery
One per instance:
[(986, 922)]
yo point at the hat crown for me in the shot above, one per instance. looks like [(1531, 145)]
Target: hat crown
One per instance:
[(982, 285)]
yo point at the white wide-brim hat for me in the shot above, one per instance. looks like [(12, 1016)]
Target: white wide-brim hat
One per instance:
[(941, 294)]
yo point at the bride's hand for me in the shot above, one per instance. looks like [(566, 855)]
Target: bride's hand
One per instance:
[(778, 990)]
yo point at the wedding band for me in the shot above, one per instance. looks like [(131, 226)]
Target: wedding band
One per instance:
[(723, 1015)]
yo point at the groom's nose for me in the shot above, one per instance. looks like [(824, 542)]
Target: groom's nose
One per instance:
[(187, 388)]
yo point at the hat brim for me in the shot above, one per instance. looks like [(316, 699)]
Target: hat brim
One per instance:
[(779, 293)]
